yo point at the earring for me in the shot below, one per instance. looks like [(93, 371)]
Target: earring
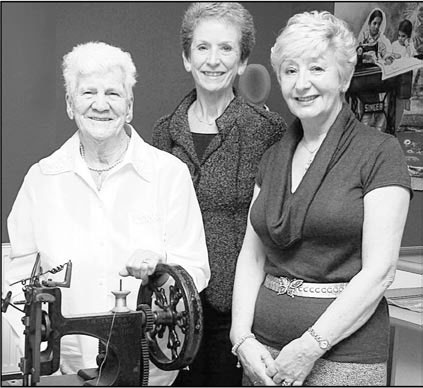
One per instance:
[(188, 67)]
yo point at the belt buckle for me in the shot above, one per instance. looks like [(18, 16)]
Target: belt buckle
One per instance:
[(287, 286)]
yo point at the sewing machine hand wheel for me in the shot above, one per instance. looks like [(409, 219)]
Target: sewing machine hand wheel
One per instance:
[(178, 318)]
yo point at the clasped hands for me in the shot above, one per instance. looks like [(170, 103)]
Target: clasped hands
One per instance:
[(142, 264), (290, 367)]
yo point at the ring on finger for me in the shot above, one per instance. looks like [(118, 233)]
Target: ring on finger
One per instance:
[(285, 383)]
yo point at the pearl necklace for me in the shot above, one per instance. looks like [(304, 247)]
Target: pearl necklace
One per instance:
[(99, 171)]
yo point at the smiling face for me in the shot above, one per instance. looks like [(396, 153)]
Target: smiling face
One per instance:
[(311, 87), (215, 55), (100, 104)]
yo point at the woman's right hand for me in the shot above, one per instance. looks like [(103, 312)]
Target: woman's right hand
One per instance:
[(142, 264), (255, 358)]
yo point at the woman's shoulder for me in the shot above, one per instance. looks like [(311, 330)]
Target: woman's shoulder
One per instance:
[(162, 122), (260, 112), (257, 119), (272, 153), (62, 159), (177, 113), (371, 144), (372, 136), (161, 160)]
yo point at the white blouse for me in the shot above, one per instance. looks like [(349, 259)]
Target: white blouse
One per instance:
[(147, 201)]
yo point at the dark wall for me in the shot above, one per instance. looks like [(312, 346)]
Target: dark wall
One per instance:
[(35, 36)]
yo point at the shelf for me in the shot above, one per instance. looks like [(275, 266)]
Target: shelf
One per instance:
[(411, 259)]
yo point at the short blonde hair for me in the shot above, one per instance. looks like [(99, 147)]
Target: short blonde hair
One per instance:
[(319, 31), (90, 57)]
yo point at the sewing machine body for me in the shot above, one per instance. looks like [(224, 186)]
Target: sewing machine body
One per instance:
[(123, 364), (127, 338)]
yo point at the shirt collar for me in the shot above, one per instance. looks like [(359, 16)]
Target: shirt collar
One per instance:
[(68, 158), (140, 155)]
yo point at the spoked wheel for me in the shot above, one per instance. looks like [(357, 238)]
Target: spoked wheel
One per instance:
[(177, 328)]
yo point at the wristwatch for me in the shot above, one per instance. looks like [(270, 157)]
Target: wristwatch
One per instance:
[(324, 344)]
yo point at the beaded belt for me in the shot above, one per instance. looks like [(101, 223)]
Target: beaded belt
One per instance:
[(297, 287)]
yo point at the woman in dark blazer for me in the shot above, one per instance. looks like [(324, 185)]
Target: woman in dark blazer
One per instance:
[(221, 138)]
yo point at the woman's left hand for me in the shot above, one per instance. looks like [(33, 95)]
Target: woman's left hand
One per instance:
[(255, 358), (294, 362), (142, 264)]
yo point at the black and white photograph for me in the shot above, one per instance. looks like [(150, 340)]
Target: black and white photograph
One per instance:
[(212, 194)]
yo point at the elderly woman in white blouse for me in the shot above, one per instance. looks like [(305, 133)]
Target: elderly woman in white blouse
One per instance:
[(106, 200)]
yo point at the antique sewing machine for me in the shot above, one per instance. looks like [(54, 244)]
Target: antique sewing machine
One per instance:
[(128, 339), (369, 94)]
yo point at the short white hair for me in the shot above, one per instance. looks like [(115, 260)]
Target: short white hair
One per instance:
[(92, 57), (317, 31)]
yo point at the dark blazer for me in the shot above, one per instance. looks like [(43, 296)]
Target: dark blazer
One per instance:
[(223, 179)]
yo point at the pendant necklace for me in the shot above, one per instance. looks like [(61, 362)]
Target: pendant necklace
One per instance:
[(312, 154)]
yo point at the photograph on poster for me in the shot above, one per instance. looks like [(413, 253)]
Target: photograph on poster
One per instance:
[(390, 58)]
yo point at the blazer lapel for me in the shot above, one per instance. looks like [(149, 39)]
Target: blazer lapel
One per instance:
[(179, 128), (226, 123)]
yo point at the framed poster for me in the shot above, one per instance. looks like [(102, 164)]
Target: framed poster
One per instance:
[(390, 36)]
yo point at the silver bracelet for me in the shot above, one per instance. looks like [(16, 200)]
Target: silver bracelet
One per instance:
[(238, 344)]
